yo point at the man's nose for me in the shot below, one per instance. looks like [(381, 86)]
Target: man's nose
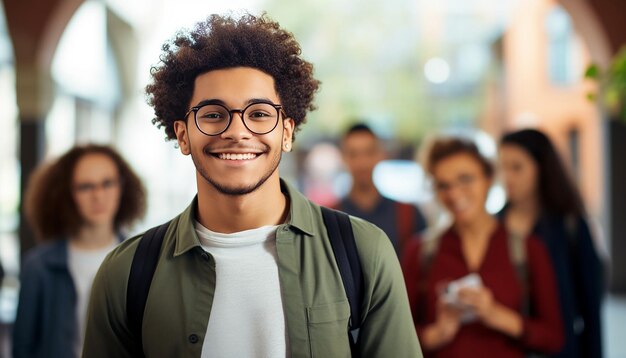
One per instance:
[(237, 130)]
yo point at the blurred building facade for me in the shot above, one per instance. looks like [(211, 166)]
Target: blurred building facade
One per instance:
[(544, 54)]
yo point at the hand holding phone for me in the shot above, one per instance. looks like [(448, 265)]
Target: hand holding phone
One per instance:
[(451, 291)]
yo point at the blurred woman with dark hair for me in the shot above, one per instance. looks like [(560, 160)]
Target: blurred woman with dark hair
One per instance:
[(470, 286), (542, 200), (76, 206)]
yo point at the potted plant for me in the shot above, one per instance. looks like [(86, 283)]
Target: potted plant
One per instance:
[(612, 86)]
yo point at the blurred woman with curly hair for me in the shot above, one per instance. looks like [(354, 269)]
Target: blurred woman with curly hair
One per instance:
[(77, 206)]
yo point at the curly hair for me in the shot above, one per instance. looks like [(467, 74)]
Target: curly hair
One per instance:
[(49, 205), (443, 148), (224, 42)]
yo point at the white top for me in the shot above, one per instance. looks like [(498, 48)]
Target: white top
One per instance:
[(83, 266), (247, 317)]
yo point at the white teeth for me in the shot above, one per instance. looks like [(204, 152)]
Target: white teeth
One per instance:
[(233, 156)]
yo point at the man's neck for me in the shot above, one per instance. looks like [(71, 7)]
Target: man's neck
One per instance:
[(93, 237), (227, 214), (365, 197)]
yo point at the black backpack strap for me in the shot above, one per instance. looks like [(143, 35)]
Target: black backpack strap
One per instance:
[(140, 277), (344, 247)]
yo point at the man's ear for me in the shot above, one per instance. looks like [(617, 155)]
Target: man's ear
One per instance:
[(289, 126), (182, 136)]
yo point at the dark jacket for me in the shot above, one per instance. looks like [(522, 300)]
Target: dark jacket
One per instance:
[(400, 221), (46, 322), (579, 274)]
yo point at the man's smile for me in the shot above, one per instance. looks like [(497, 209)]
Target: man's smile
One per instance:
[(237, 156), (236, 153)]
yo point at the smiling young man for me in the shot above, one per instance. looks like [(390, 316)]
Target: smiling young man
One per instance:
[(248, 269)]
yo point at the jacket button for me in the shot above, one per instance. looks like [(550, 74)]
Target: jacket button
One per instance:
[(205, 256), (193, 338)]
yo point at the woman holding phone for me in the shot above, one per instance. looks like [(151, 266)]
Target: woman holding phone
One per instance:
[(475, 291)]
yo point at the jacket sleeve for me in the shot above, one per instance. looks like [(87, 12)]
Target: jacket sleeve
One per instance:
[(107, 333), (543, 330), (387, 328), (26, 335), (589, 277)]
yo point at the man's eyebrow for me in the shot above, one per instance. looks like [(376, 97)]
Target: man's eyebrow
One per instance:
[(204, 102), (222, 103)]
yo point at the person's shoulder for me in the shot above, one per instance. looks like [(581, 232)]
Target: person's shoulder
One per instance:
[(123, 254), (115, 268), (42, 253), (371, 240), (366, 235), (44, 248), (389, 201), (364, 228), (124, 250)]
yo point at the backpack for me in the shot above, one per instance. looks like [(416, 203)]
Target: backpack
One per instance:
[(407, 227), (341, 239)]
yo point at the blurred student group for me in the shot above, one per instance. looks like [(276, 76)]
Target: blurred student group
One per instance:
[(458, 120)]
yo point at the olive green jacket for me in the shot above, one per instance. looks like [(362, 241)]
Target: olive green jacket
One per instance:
[(178, 307)]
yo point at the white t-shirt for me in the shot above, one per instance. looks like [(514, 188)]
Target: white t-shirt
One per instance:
[(247, 317), (83, 266)]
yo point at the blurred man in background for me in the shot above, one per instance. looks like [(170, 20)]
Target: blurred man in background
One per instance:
[(362, 150)]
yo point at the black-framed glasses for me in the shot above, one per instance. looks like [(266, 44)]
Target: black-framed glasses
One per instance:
[(214, 119)]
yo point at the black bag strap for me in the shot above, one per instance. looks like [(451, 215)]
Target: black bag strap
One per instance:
[(140, 277), (344, 247)]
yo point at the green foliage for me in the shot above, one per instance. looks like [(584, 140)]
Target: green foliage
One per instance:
[(612, 85)]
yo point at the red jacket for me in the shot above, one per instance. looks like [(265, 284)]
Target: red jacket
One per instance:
[(543, 330)]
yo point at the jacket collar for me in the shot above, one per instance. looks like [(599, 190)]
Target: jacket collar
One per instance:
[(300, 211), (300, 218)]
